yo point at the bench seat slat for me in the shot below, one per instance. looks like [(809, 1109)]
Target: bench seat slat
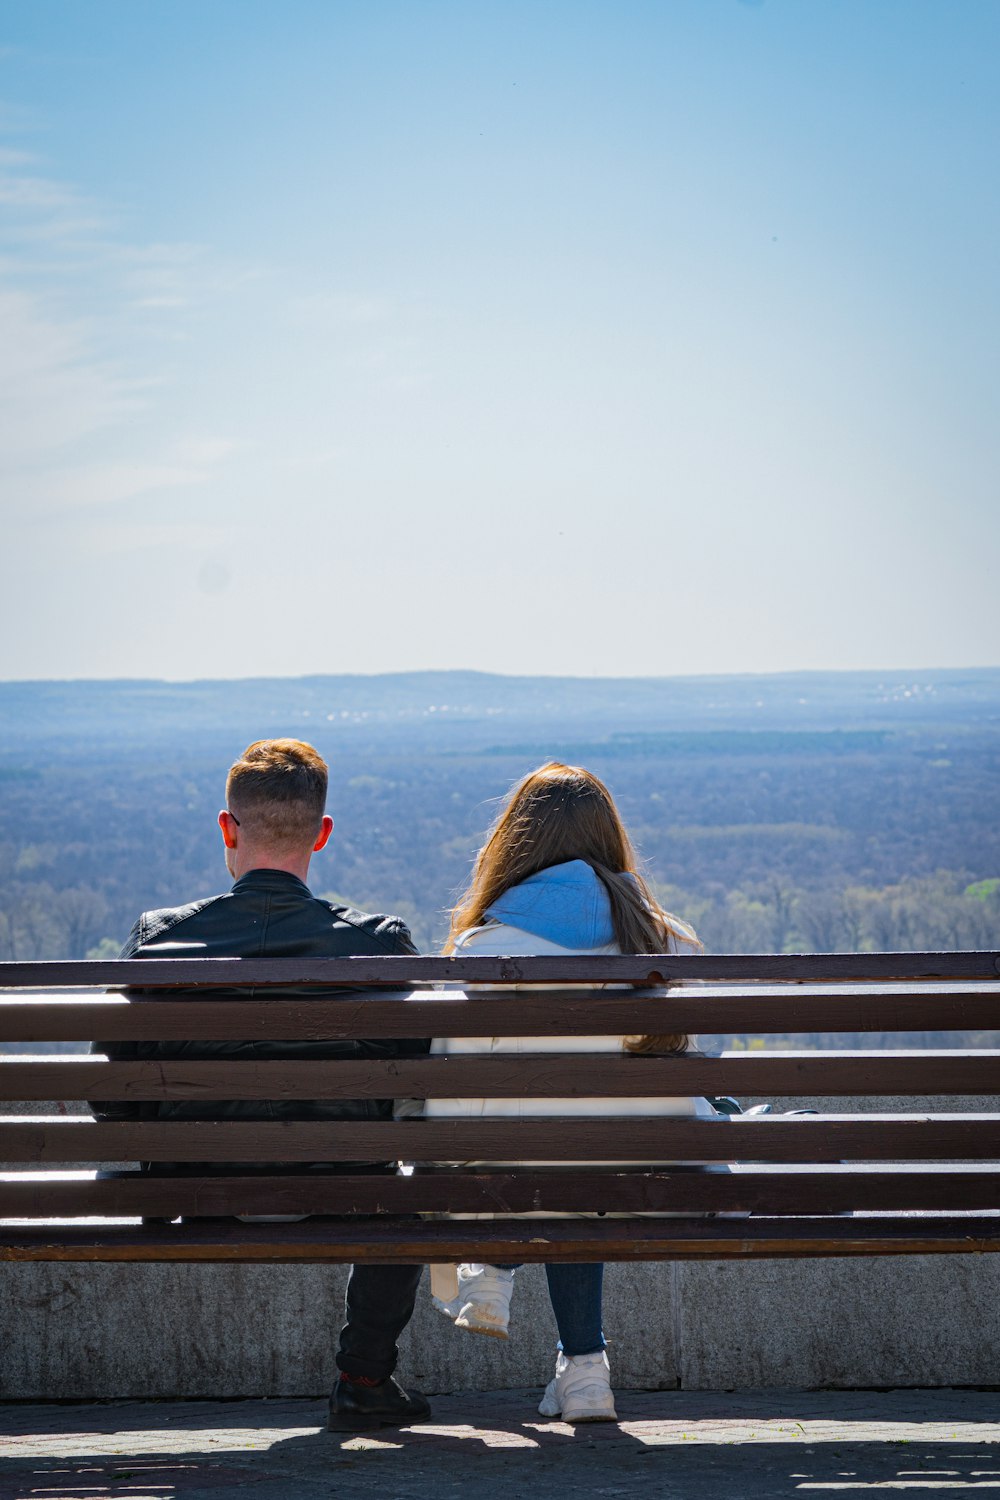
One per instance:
[(809, 1138), (531, 1240), (761, 1192)]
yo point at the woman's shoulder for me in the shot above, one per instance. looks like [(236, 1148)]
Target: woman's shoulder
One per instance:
[(502, 938), (499, 938)]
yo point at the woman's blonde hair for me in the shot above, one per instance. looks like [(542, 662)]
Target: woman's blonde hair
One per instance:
[(557, 814)]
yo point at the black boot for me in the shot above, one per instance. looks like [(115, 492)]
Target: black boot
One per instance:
[(357, 1407)]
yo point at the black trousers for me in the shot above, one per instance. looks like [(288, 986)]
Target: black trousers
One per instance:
[(379, 1305)]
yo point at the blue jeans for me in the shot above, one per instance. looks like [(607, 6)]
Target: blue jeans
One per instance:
[(575, 1292)]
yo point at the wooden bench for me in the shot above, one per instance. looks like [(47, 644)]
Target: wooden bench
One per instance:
[(869, 1183)]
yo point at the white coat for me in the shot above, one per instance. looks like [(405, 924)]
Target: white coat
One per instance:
[(510, 941)]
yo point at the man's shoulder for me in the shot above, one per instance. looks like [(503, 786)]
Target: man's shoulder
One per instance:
[(270, 923), (372, 932), (153, 925)]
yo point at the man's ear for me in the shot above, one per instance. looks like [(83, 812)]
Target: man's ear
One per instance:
[(325, 830), (229, 825)]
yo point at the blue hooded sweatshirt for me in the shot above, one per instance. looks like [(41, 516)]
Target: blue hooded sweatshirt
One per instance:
[(565, 904)]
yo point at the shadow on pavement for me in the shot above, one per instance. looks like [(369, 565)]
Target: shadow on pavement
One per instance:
[(668, 1446)]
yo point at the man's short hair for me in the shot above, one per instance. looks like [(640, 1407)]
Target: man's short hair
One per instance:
[(277, 791)]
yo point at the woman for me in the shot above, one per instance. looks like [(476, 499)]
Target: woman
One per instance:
[(557, 875)]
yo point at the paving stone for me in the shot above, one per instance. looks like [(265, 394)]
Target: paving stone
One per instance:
[(696, 1445)]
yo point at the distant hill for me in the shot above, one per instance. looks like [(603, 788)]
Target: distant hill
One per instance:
[(474, 704)]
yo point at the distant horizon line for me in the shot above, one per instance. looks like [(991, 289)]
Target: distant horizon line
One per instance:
[(437, 672)]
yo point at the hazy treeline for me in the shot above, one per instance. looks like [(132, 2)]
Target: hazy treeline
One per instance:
[(942, 911), (817, 852), (39, 919)]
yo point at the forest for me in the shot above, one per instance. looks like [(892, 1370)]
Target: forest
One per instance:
[(831, 812), (823, 813)]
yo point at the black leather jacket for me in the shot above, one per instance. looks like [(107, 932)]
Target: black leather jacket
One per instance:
[(267, 914)]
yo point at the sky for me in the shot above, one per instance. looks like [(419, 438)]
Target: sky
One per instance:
[(532, 336)]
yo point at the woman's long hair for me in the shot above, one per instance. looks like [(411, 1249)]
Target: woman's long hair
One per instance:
[(560, 813)]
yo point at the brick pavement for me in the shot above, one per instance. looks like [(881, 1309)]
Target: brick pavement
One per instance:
[(668, 1445)]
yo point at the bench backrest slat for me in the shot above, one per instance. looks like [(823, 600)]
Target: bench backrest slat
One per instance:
[(810, 1138), (530, 1076), (795, 1009), (403, 972)]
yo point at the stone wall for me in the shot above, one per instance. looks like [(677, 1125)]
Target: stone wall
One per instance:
[(106, 1331)]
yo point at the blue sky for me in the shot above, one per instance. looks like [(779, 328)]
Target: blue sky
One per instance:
[(614, 338)]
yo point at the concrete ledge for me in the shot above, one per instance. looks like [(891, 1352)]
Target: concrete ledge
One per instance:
[(101, 1332), (838, 1324)]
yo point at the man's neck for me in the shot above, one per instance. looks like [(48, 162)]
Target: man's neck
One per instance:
[(268, 861)]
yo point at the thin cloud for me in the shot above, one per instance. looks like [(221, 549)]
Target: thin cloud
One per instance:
[(340, 312), (36, 205), (126, 535), (65, 378), (59, 491), (20, 191), (17, 119), (53, 390)]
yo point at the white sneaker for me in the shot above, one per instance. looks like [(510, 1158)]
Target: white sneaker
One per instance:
[(483, 1301), (581, 1389)]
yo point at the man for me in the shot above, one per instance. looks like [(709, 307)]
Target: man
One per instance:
[(273, 822)]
